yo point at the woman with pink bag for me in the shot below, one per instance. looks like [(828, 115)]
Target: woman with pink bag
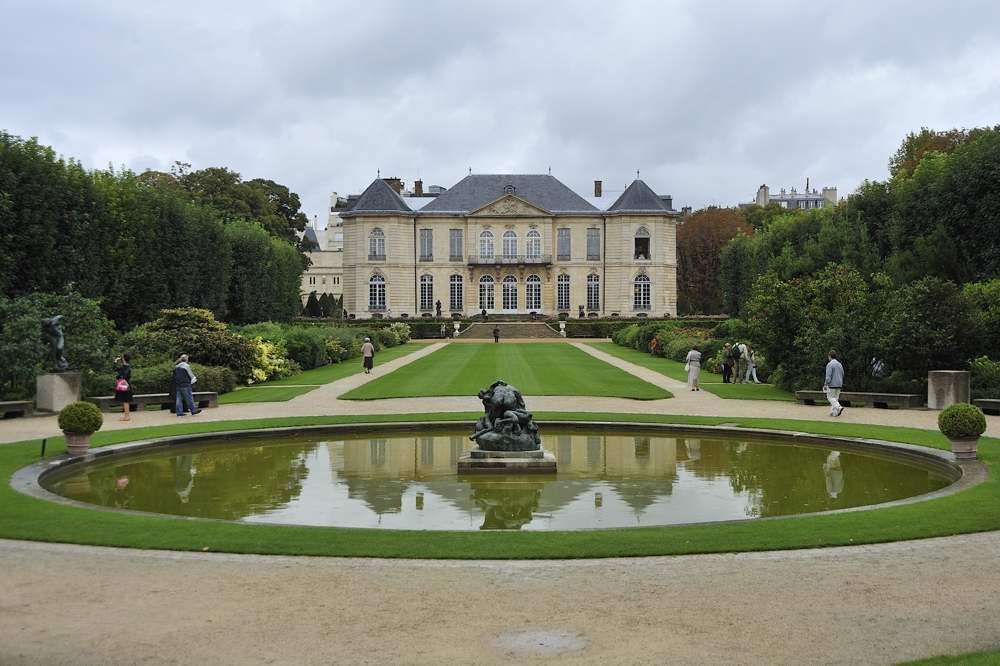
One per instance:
[(123, 384)]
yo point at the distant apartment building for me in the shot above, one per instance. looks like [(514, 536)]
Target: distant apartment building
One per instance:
[(795, 200)]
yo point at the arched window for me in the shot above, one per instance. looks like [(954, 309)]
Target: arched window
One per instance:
[(562, 292), (486, 293), (534, 249), (426, 292), (642, 244), (510, 293), (486, 245), (593, 292), (376, 292), (455, 295), (509, 244), (533, 293), (376, 245), (640, 292)]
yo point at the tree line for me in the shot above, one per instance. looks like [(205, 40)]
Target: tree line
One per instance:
[(140, 243)]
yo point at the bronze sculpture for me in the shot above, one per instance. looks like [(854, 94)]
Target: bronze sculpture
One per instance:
[(507, 425), (53, 335)]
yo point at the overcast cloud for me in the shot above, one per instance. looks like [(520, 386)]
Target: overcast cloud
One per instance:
[(707, 100)]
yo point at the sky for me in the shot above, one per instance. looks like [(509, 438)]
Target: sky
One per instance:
[(707, 100)]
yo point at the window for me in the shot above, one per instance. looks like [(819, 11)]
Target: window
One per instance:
[(455, 244), (642, 244), (510, 293), (376, 452), (562, 292), (455, 287), (534, 249), (533, 293), (593, 292), (486, 245), (509, 244), (562, 244), (426, 292), (426, 450), (486, 292), (323, 280), (376, 245), (376, 292), (593, 244), (312, 280), (426, 245), (640, 292)]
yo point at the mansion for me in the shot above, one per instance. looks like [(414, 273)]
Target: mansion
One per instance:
[(509, 244)]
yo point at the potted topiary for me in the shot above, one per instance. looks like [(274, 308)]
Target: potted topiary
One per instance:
[(78, 421), (962, 424)]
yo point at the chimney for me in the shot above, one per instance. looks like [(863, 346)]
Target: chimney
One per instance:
[(395, 183), (597, 188), (418, 188)]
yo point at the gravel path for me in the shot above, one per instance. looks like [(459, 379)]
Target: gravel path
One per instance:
[(867, 604)]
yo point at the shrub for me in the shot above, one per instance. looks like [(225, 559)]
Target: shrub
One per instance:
[(306, 346), (731, 330), (985, 378), (401, 331), (962, 421), (80, 418), (156, 378), (270, 362), (335, 351)]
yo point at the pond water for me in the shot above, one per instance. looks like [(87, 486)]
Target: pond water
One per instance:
[(402, 481)]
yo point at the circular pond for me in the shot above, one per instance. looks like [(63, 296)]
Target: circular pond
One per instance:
[(398, 480)]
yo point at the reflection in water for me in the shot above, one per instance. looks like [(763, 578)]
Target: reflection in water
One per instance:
[(605, 480)]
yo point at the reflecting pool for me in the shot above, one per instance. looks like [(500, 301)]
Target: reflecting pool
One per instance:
[(401, 481)]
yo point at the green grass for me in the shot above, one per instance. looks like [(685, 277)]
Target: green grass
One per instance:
[(535, 369), (986, 658), (710, 381), (974, 510), (335, 371), (264, 394)]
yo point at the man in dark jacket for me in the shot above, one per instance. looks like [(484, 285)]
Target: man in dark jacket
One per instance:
[(184, 381), (727, 363), (496, 334)]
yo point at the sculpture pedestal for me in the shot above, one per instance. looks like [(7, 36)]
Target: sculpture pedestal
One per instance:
[(478, 461), (947, 387), (57, 389)]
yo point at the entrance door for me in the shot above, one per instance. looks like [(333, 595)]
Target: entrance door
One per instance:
[(510, 294), (486, 301)]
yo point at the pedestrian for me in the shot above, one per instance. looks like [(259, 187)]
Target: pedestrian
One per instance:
[(496, 334), (833, 382), (693, 367), (751, 366), (368, 356), (739, 363), (123, 385), (184, 381), (444, 329), (727, 363)]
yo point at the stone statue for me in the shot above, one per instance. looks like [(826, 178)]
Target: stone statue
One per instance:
[(53, 335), (437, 309), (507, 425)]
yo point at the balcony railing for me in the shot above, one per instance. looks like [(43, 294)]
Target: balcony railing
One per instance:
[(376, 257), (513, 260)]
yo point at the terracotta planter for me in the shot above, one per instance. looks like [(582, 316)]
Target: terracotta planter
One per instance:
[(964, 449), (77, 444)]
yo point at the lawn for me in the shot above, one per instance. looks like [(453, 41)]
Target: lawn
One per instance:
[(973, 510), (710, 381), (535, 369), (334, 371), (264, 394)]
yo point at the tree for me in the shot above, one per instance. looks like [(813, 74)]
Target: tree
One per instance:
[(759, 217), (700, 240), (918, 144), (313, 308)]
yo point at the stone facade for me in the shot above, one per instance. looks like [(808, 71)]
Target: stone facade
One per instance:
[(510, 254)]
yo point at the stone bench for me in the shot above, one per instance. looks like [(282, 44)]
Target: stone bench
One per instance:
[(857, 399), (988, 405), (14, 408), (203, 399)]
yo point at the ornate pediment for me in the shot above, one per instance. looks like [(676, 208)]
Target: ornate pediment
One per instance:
[(510, 205)]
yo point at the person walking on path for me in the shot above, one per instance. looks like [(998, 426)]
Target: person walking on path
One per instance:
[(739, 362), (123, 385), (693, 367), (496, 334), (751, 366), (833, 382), (184, 380), (727, 363), (368, 356)]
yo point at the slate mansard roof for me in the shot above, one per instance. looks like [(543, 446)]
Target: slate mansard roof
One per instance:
[(639, 198), (378, 198), (476, 190)]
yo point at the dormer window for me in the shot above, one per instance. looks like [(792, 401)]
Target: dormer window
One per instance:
[(508, 189)]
